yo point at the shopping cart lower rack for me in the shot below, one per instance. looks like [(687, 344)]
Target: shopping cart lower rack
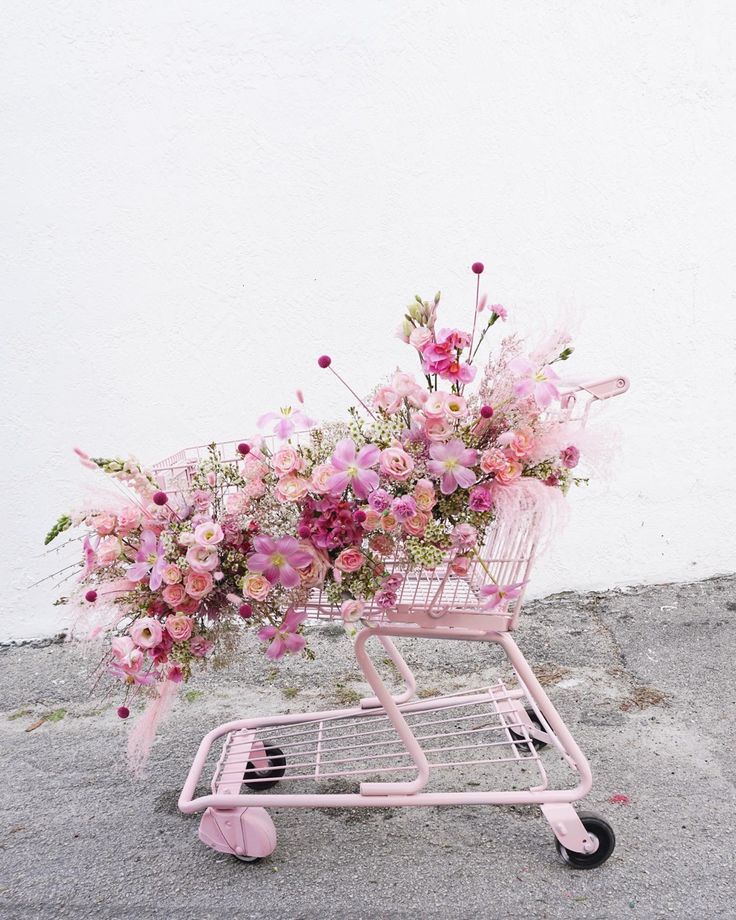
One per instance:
[(398, 750)]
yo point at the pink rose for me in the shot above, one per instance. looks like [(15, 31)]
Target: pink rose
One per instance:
[(174, 595), (179, 627), (493, 460), (104, 523), (417, 524), (460, 565), (208, 534), (389, 522), (396, 463), (202, 558), (287, 460), (128, 520), (511, 472), (108, 550), (352, 610), (199, 646), (171, 574), (350, 560), (570, 457), (480, 499), (314, 573), (320, 475), (291, 488), (198, 584), (425, 495), (146, 632), (520, 442), (236, 502), (372, 519), (256, 586)]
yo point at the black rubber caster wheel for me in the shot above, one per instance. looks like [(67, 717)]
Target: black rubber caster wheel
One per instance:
[(537, 743), (248, 859), (265, 779), (602, 832)]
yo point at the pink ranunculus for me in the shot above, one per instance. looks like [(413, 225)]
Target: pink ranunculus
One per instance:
[(146, 632), (464, 536), (278, 559), (128, 519), (291, 488), (425, 495), (417, 524), (199, 646), (179, 627), (352, 610), (109, 550), (510, 473), (569, 456), (519, 442), (198, 584), (208, 534), (480, 499), (388, 399), (174, 595), (350, 560), (104, 523), (419, 337), (236, 502), (534, 381), (202, 558), (396, 463), (437, 428), (286, 460), (171, 574), (354, 468), (320, 477), (314, 573), (284, 638), (256, 587), (451, 463), (493, 460), (460, 565), (404, 507)]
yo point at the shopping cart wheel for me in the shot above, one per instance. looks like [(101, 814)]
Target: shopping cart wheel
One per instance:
[(265, 779), (537, 742), (599, 829), (248, 859)]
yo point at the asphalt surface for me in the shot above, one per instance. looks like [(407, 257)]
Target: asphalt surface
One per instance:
[(644, 678)]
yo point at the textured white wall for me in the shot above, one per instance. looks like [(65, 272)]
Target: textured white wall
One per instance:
[(201, 197)]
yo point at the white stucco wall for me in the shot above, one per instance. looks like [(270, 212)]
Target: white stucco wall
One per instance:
[(201, 197)]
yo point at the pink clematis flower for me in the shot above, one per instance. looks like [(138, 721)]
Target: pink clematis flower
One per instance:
[(279, 559), (284, 638), (285, 422), (450, 463), (536, 382), (500, 594), (354, 468), (149, 561)]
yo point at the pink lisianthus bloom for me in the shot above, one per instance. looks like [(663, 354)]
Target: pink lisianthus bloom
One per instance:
[(437, 428), (179, 627), (451, 464), (285, 422), (396, 463), (146, 632), (199, 646), (198, 584), (533, 381), (480, 499), (520, 442), (354, 468), (404, 507), (352, 610), (350, 560), (127, 662), (149, 561), (202, 558), (419, 337), (434, 406), (569, 456), (208, 534), (278, 559), (455, 407), (496, 595), (464, 536), (284, 638)]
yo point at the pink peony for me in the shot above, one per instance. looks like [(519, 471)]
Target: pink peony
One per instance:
[(198, 584), (396, 463), (146, 632), (179, 627), (451, 464), (174, 595), (350, 560)]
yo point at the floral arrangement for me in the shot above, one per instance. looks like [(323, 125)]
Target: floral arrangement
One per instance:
[(416, 471)]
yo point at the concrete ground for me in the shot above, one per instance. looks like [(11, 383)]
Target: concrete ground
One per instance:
[(644, 678)]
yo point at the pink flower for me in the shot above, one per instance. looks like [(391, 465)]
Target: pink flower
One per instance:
[(464, 536), (417, 524), (372, 520), (404, 507), (291, 488), (509, 474), (127, 662), (354, 469), (178, 627), (314, 573), (442, 357), (320, 477), (202, 558), (146, 632), (500, 594), (425, 495), (379, 500), (278, 559), (455, 407), (493, 460), (256, 586), (285, 422), (382, 544), (208, 534), (198, 584), (536, 382), (284, 638), (389, 522), (419, 337), (236, 502), (480, 499), (174, 595), (519, 442), (199, 646), (434, 405), (352, 610), (286, 460), (451, 463), (460, 565), (437, 428), (569, 456), (201, 500), (104, 523), (171, 574), (128, 519), (255, 488), (253, 468), (175, 674), (350, 560), (396, 463), (149, 561), (109, 550), (388, 399)]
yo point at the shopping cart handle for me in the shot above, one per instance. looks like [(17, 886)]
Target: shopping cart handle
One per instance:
[(604, 389)]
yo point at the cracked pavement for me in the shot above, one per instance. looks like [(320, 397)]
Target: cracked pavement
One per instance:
[(643, 678)]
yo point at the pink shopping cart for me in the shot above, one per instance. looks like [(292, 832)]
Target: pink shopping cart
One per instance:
[(397, 749)]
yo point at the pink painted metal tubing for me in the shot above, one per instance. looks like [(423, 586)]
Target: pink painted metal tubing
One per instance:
[(403, 669)]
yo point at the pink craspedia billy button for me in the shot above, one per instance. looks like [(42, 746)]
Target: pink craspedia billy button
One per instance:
[(486, 411), (160, 498), (243, 448), (477, 268), (324, 360), (245, 611), (91, 596), (359, 516), (123, 712)]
